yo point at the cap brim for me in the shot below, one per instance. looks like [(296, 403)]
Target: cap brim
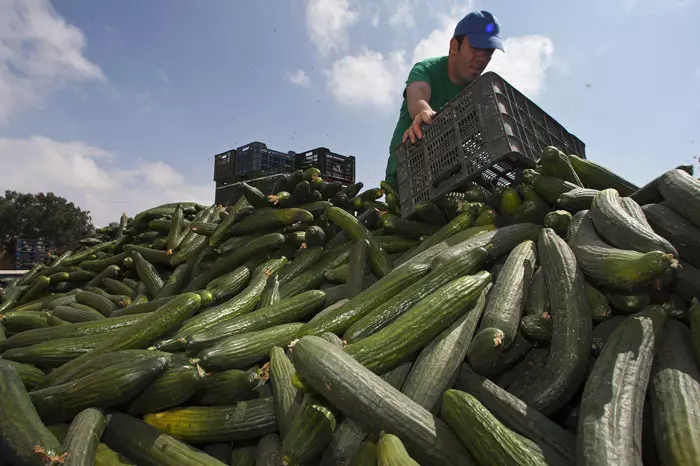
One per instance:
[(486, 41)]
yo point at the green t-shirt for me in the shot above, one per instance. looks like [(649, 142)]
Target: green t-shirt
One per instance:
[(434, 72)]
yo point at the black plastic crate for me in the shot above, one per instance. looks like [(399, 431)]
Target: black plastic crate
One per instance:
[(334, 167), (487, 134), (225, 166), (255, 158)]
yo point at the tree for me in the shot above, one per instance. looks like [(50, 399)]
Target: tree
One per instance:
[(45, 216)]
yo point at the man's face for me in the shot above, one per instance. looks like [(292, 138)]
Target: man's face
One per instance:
[(471, 62)]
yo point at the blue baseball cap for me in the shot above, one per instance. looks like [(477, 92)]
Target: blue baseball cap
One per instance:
[(482, 29)]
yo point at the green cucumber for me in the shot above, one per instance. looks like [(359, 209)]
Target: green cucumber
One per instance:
[(96, 301), (366, 455), (31, 375), (155, 326), (240, 351), (356, 268), (391, 451), (577, 199), (681, 191), (288, 310), (537, 301), (287, 398), (598, 177), (269, 220), (438, 363), (313, 276), (558, 221), (154, 256), (310, 431), (56, 352), (488, 440), (537, 327), (20, 321), (147, 274), (83, 435), (409, 229), (337, 275), (400, 340), (230, 284), (229, 387), (106, 388), (76, 315), (24, 439), (549, 187), (227, 263), (395, 306), (35, 290), (269, 451), (356, 391), (210, 424), (628, 302), (598, 304), (243, 455), (570, 348), (146, 445), (172, 388), (555, 163), (684, 236)]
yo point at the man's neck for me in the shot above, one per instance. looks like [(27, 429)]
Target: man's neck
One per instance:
[(452, 72)]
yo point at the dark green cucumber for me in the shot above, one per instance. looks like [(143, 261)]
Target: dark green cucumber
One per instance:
[(300, 264), (81, 256), (287, 398), (682, 193), (570, 348), (173, 388), (118, 299), (342, 317), (230, 284), (649, 193), (81, 441), (96, 301), (204, 228), (242, 303), (116, 287), (56, 352), (154, 256), (220, 451), (437, 364), (684, 236), (610, 414), (629, 302), (337, 275), (488, 440), (558, 445), (222, 232), (271, 293), (142, 307), (10, 296), (687, 281), (24, 439), (460, 223), (310, 431), (357, 392), (555, 163), (108, 272), (269, 220), (400, 340), (410, 229), (392, 244), (210, 424), (378, 260), (548, 187), (537, 301), (265, 243), (558, 221), (577, 199), (606, 265), (20, 321), (146, 445), (356, 268), (313, 276), (602, 332), (269, 451), (229, 387), (103, 389), (175, 226), (314, 236), (598, 177), (153, 327), (537, 327), (288, 310), (598, 304), (148, 274), (396, 305), (240, 351), (502, 241), (35, 290), (366, 455), (31, 375), (623, 230), (75, 315)]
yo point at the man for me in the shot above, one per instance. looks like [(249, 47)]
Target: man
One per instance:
[(435, 81)]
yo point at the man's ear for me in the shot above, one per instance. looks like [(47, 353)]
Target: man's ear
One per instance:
[(454, 46)]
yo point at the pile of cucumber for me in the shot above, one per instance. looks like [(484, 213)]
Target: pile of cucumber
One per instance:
[(552, 322)]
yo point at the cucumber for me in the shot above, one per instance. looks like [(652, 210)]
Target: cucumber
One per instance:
[(310, 431), (83, 435), (400, 340), (558, 221), (460, 223), (222, 232), (271, 294), (598, 304), (24, 439), (437, 364), (56, 352), (356, 268), (549, 187), (211, 424), (395, 306), (491, 443), (172, 388), (570, 348), (313, 276), (555, 163), (20, 321), (610, 414), (75, 315), (409, 229), (300, 264), (146, 445), (106, 388), (31, 376), (356, 391), (674, 392), (628, 302), (605, 265), (288, 310), (577, 199), (229, 387), (287, 398), (378, 260), (596, 176), (153, 327), (230, 284), (244, 455), (269, 220), (682, 193), (154, 256), (391, 451), (684, 236), (96, 301), (537, 301), (269, 451), (623, 230), (147, 274), (240, 351), (558, 444), (393, 244), (35, 290), (537, 327), (265, 243)]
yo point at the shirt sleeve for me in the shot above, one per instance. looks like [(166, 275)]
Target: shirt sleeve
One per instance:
[(419, 72)]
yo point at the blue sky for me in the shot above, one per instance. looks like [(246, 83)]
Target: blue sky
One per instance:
[(121, 105)]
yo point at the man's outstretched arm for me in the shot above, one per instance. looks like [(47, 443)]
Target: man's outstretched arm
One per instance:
[(418, 104)]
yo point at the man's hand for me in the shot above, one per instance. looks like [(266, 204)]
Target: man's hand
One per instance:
[(414, 131)]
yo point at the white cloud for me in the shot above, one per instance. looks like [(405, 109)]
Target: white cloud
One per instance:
[(88, 176), (299, 77), (402, 17), (525, 62), (39, 53), (368, 79), (327, 22)]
